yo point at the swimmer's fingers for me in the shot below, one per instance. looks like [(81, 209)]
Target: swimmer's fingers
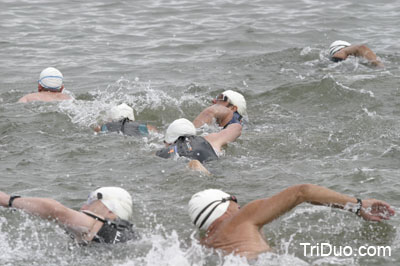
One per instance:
[(376, 210)]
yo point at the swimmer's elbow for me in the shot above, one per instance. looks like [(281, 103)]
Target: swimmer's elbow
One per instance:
[(238, 128), (362, 50), (363, 47), (302, 193)]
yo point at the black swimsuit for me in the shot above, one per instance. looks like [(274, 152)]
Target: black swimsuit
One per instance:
[(113, 231), (236, 119), (194, 147), (127, 127)]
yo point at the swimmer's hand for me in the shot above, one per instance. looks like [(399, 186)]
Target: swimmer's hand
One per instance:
[(4, 199), (97, 128), (151, 128), (376, 210), (377, 63), (196, 165)]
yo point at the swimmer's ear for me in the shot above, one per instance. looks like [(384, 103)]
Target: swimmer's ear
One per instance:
[(234, 108)]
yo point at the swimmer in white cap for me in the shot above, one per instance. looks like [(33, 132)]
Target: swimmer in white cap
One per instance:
[(122, 120), (238, 230), (228, 109), (103, 218), (50, 87), (340, 50), (181, 141)]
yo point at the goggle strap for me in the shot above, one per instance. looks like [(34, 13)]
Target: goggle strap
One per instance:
[(233, 198), (203, 210), (209, 214)]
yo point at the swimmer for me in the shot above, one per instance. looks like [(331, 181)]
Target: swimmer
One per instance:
[(123, 121), (340, 50), (235, 229), (228, 108), (103, 218), (227, 111), (181, 140), (50, 87)]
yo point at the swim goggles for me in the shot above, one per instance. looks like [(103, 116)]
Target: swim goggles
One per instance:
[(222, 97), (93, 196)]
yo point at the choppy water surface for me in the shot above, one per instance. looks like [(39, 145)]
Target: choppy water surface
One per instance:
[(309, 121)]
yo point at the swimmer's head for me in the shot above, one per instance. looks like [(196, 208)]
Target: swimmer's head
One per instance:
[(51, 79), (116, 199), (336, 46), (235, 99), (122, 111), (180, 127), (207, 206)]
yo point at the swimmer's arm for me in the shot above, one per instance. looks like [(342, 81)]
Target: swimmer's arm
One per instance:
[(218, 112), (360, 51), (225, 136), (24, 99), (261, 212), (49, 209)]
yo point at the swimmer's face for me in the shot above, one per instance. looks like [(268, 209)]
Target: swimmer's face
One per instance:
[(84, 207), (224, 101), (233, 203), (221, 100), (233, 206), (92, 199), (88, 207)]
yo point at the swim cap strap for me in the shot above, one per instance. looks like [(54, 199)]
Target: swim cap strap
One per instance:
[(209, 214), (12, 198), (203, 210)]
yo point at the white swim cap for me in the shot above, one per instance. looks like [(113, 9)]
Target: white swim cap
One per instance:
[(207, 206), (51, 79), (116, 199), (336, 46), (122, 111), (237, 100), (180, 127)]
